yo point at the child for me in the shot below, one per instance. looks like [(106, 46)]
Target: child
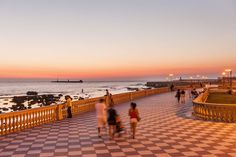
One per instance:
[(119, 125)]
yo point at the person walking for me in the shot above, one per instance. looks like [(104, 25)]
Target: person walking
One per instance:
[(172, 88), (134, 118), (101, 115), (178, 94), (109, 98), (69, 106), (111, 101), (111, 121), (182, 96), (194, 93)]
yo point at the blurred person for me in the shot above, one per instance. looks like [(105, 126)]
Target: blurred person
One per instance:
[(182, 96), (101, 115), (177, 95), (69, 106), (134, 118), (111, 120)]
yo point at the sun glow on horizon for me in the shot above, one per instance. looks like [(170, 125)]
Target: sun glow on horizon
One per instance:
[(107, 73)]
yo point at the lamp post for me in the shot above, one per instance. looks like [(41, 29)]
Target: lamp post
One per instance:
[(230, 77), (171, 77), (223, 79)]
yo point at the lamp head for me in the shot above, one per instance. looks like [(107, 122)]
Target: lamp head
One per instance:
[(228, 70)]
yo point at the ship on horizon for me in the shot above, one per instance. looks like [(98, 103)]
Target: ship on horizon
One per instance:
[(68, 81)]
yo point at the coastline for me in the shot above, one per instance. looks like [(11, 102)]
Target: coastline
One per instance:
[(22, 101)]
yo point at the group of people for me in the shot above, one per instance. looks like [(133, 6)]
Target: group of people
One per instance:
[(107, 115), (194, 93), (180, 95)]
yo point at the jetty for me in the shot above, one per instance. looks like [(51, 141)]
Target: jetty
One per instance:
[(182, 82)]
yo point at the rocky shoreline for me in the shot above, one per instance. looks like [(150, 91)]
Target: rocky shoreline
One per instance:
[(34, 100)]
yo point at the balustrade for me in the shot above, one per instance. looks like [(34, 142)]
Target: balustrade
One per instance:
[(213, 111), (20, 120)]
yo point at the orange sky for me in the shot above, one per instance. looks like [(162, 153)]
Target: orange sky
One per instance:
[(113, 39), (106, 73)]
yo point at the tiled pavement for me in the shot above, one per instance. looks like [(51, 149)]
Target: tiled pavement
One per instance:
[(166, 129)]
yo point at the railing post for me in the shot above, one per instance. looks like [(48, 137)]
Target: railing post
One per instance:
[(59, 112)]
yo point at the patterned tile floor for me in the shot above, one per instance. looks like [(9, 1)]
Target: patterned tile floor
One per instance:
[(166, 129)]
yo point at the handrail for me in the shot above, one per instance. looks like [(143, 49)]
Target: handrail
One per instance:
[(213, 111), (20, 120), (16, 121)]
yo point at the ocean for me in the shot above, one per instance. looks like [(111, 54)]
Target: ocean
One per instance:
[(91, 89)]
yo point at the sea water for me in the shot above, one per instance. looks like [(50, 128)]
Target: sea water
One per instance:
[(91, 89)]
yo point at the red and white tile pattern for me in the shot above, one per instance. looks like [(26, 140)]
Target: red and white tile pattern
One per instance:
[(166, 129)]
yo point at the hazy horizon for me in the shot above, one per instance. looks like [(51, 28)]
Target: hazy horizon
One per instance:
[(116, 79), (114, 40)]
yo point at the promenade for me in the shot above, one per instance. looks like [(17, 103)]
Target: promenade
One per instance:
[(166, 129)]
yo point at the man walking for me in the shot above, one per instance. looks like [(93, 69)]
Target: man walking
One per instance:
[(101, 115), (178, 94)]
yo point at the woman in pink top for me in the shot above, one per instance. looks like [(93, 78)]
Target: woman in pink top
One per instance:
[(134, 118)]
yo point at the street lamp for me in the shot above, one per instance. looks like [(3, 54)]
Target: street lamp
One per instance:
[(223, 78), (171, 76), (230, 77)]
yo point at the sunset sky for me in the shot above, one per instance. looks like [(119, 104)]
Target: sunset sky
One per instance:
[(116, 39)]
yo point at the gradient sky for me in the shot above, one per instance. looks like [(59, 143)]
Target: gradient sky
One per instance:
[(115, 39)]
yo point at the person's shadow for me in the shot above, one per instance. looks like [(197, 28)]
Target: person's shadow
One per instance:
[(185, 110)]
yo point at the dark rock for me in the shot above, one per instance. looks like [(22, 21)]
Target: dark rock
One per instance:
[(19, 100), (32, 93), (57, 98), (132, 89), (18, 107), (47, 100), (81, 98), (5, 109)]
